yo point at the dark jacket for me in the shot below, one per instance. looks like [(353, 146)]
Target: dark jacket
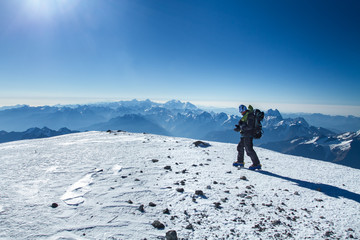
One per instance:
[(247, 123)]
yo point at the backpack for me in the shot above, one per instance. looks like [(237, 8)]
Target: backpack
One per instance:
[(259, 116)]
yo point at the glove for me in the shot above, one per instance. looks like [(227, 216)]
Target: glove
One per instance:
[(237, 128)]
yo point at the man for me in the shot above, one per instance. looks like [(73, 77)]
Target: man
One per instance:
[(246, 129)]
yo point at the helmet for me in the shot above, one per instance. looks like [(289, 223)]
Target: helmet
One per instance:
[(242, 108)]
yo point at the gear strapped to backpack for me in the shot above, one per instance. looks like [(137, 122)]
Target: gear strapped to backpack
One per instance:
[(259, 116)]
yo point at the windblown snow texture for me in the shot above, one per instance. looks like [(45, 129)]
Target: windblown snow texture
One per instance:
[(118, 185)]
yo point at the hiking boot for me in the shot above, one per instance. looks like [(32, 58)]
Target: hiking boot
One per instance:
[(254, 167), (238, 164)]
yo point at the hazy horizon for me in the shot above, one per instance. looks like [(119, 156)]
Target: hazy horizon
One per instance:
[(333, 110)]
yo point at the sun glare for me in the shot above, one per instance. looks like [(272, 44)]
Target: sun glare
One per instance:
[(47, 8)]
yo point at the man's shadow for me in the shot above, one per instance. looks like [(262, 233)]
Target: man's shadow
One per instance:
[(324, 188)]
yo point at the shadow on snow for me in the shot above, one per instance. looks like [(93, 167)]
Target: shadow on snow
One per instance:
[(324, 188)]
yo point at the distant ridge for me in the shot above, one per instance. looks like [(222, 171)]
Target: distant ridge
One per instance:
[(32, 133)]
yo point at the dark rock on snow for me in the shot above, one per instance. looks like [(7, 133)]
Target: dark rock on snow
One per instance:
[(201, 144), (157, 224), (171, 235), (54, 205), (141, 208)]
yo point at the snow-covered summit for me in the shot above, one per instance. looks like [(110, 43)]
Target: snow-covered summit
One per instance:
[(115, 185), (176, 104)]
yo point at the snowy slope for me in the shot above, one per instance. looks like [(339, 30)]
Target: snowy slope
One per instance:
[(99, 180)]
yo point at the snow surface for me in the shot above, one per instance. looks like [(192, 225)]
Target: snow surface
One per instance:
[(100, 179)]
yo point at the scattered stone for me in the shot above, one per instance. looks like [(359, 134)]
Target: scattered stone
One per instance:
[(297, 193), (280, 209), (181, 190), (242, 195), (199, 192), (171, 235), (260, 229), (151, 204), (158, 225), (154, 160), (54, 205), (226, 191), (130, 202), (276, 222), (215, 182), (208, 187), (137, 180), (168, 168), (123, 176), (217, 204), (189, 227), (166, 211), (306, 210), (224, 199), (201, 144), (141, 208), (182, 182), (318, 200), (244, 178), (329, 233)]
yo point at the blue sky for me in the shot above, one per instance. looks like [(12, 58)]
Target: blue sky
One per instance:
[(291, 55)]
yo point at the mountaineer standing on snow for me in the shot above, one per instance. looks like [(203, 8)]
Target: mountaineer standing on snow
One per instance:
[(246, 128)]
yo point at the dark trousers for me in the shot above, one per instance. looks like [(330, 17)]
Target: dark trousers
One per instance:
[(247, 144)]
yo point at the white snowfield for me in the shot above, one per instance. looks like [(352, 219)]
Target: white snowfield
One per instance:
[(99, 181)]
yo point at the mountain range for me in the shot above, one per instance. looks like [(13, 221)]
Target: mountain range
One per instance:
[(338, 124), (32, 133), (175, 118)]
